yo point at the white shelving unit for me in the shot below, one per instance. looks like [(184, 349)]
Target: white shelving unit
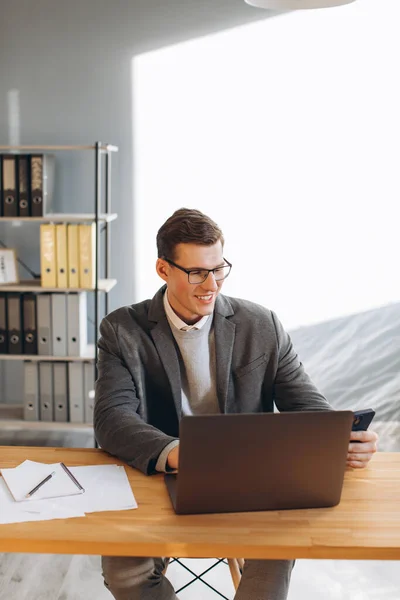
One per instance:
[(89, 356), (33, 285), (63, 218), (11, 415), (12, 418)]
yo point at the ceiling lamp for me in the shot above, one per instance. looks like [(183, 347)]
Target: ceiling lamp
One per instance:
[(296, 4)]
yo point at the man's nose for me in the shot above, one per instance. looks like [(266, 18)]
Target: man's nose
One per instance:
[(210, 282)]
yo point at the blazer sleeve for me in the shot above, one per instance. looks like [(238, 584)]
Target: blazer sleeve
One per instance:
[(293, 388), (118, 427)]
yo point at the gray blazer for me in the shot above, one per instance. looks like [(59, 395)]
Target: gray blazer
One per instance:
[(138, 390)]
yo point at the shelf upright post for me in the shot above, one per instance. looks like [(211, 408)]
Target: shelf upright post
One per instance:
[(96, 218), (96, 289), (107, 241)]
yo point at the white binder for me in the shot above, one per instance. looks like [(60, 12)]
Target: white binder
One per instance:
[(76, 324), (88, 386), (31, 391), (46, 391), (75, 398), (43, 307), (60, 406), (59, 324)]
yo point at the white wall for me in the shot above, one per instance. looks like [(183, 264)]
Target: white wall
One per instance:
[(71, 63), (287, 133)]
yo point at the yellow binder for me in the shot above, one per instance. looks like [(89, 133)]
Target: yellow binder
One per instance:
[(73, 256), (48, 255), (87, 251), (62, 260)]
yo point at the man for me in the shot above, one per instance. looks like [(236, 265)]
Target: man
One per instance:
[(190, 350)]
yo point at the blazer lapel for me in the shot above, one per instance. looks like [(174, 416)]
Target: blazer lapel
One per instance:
[(224, 340), (165, 344)]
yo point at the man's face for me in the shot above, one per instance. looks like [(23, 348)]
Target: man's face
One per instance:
[(190, 301)]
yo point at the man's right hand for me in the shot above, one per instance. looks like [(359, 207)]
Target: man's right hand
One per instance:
[(173, 458)]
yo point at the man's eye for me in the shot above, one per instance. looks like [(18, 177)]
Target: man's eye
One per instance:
[(197, 272)]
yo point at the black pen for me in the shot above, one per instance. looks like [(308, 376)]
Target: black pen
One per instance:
[(39, 485), (76, 482)]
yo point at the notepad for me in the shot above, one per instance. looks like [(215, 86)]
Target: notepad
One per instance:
[(23, 478)]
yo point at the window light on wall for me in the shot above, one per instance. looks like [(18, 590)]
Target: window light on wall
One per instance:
[(296, 4)]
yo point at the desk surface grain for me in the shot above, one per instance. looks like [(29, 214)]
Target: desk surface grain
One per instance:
[(365, 525)]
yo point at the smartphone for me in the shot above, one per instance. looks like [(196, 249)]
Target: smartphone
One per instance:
[(362, 420)]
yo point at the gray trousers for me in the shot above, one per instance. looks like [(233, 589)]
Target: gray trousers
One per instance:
[(133, 578)]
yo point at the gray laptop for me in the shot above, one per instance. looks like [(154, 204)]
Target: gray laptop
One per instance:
[(267, 461)]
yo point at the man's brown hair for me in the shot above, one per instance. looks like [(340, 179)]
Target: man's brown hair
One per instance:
[(187, 226)]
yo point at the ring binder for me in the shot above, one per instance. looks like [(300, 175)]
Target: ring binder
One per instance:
[(10, 208)]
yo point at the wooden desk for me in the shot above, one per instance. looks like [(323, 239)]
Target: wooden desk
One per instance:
[(365, 525)]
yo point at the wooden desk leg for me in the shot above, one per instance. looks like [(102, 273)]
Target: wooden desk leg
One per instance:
[(235, 571)]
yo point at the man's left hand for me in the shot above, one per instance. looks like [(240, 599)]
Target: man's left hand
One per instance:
[(360, 454)]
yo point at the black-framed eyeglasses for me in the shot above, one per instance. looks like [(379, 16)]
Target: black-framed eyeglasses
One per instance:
[(200, 275)]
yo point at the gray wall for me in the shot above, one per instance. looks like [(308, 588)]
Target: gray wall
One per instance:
[(71, 62)]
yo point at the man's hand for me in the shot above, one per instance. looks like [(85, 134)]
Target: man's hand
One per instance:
[(360, 454), (173, 458)]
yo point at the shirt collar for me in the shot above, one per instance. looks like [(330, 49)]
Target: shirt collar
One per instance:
[(177, 321)]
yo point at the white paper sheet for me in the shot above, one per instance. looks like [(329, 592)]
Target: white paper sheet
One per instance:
[(38, 510), (106, 488)]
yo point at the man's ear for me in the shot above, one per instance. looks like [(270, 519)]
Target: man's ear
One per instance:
[(162, 268)]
